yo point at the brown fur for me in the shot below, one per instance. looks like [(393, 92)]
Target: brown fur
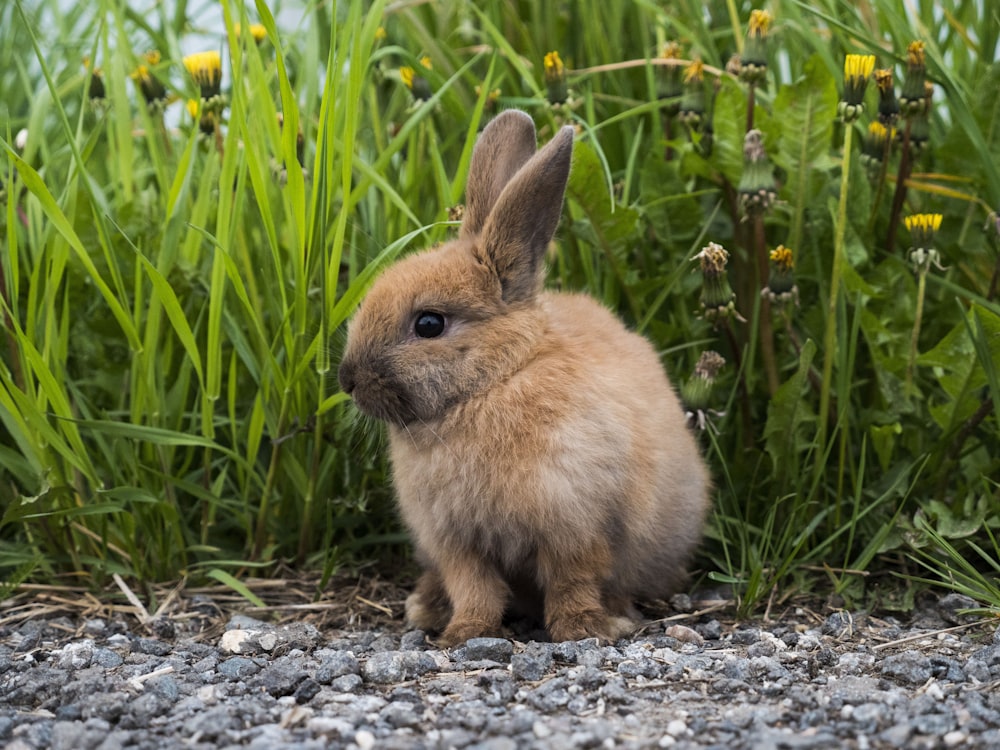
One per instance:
[(536, 439)]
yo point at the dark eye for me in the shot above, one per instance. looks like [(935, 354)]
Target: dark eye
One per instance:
[(428, 325)]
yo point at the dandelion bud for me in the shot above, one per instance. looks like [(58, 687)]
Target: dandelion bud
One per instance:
[(95, 86), (888, 106), (911, 98), (781, 285), (718, 300), (873, 150), (753, 62), (857, 69), (153, 92), (671, 87), (697, 390), (555, 78), (692, 109), (757, 189)]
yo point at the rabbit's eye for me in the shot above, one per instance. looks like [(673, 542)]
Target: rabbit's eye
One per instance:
[(429, 325)]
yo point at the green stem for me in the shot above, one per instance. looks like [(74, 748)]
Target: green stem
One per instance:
[(830, 337), (912, 364)]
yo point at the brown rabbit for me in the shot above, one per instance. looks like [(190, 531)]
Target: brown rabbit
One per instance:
[(539, 452)]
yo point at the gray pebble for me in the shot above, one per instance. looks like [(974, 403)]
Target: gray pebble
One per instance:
[(238, 668), (492, 649), (910, 667), (397, 666), (337, 664), (532, 664)]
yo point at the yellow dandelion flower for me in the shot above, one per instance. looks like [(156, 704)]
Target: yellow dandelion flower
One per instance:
[(257, 30), (406, 76), (782, 257), (555, 78), (923, 222), (425, 61), (695, 72), (380, 34), (857, 70), (760, 22), (206, 70), (915, 56), (671, 51)]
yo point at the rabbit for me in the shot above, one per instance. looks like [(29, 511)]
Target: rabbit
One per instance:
[(540, 456)]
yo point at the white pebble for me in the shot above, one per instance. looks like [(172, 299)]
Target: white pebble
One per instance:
[(364, 739)]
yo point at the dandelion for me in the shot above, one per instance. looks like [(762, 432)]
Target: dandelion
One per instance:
[(492, 98), (380, 34), (696, 393), (922, 228), (757, 189), (670, 80), (718, 300), (417, 84), (874, 149), (692, 108), (857, 70), (781, 286), (555, 78), (206, 70), (258, 32), (888, 106), (153, 92), (912, 97), (205, 117), (753, 61), (96, 92)]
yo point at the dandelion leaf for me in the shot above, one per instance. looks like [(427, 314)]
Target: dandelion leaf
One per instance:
[(804, 114), (607, 222)]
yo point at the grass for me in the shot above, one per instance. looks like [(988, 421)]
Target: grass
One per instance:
[(174, 296)]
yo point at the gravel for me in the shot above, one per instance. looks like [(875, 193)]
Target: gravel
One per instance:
[(848, 679)]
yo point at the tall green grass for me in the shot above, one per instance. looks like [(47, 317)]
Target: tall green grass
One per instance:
[(174, 304)]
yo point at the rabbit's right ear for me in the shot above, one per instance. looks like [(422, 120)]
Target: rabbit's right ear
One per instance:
[(504, 146)]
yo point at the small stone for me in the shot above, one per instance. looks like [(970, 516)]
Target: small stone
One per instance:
[(76, 655), (840, 625), (346, 684), (397, 666), (337, 665), (684, 634), (954, 738), (152, 646), (364, 739), (746, 636), (413, 640), (710, 631), (267, 641), (492, 649), (910, 667), (681, 603), (105, 657), (531, 664), (238, 668), (676, 727), (307, 690), (233, 641)]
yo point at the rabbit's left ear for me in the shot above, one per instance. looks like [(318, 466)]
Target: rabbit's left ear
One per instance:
[(518, 230), (504, 146)]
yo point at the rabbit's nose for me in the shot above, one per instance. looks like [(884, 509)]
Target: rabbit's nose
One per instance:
[(347, 376)]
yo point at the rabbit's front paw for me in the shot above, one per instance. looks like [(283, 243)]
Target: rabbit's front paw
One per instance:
[(589, 625), (458, 632)]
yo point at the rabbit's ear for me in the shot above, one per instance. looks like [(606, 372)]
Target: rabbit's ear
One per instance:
[(520, 226), (504, 146)]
